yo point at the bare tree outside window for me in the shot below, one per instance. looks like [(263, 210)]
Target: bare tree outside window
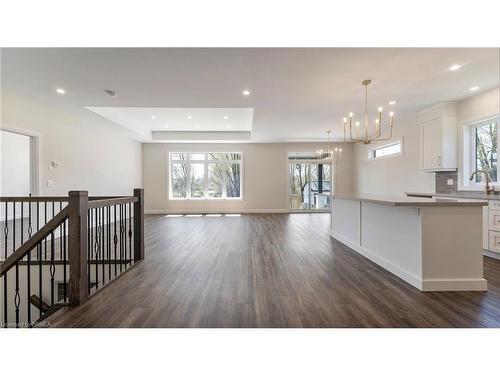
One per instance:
[(220, 179), (486, 151)]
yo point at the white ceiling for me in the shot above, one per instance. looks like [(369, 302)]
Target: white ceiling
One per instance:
[(296, 93), (144, 120)]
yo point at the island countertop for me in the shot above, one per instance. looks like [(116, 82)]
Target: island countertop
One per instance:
[(395, 200)]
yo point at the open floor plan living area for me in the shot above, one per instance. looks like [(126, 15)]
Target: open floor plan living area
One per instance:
[(250, 188)]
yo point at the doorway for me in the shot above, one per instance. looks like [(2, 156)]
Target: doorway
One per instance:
[(18, 165), (310, 182)]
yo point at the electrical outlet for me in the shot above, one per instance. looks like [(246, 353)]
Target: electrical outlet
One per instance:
[(449, 181)]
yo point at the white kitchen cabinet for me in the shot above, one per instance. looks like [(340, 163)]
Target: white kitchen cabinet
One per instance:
[(438, 137)]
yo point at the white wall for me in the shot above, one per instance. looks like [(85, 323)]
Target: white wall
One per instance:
[(265, 170), (14, 164), (402, 174), (94, 154), (395, 175), (477, 108)]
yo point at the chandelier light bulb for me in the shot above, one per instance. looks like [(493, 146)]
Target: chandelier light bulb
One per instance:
[(364, 132)]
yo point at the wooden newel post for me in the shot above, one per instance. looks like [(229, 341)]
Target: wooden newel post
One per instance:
[(139, 225), (78, 288)]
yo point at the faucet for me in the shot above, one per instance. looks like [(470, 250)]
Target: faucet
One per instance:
[(487, 189)]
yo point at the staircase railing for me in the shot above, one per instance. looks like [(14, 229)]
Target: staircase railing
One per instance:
[(86, 243)]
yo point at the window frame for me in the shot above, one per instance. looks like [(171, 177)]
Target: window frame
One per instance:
[(206, 162), (372, 150), (470, 151)]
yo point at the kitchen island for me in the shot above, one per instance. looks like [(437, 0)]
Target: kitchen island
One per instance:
[(434, 244)]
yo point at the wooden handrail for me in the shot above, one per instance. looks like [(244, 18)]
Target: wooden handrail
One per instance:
[(39, 236), (34, 199), (54, 199), (111, 202)]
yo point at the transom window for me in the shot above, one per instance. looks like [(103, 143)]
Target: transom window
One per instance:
[(205, 175), (392, 149), (484, 146)]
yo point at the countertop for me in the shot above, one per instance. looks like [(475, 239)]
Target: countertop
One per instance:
[(412, 201), (464, 195)]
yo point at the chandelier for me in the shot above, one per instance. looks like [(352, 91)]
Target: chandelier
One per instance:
[(365, 133), (333, 154)]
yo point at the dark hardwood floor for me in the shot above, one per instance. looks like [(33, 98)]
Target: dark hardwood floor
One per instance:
[(270, 270)]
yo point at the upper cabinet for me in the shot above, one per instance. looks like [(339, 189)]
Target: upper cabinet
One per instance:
[(438, 137)]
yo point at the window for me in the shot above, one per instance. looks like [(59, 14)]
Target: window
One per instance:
[(392, 149), (484, 143), (215, 175)]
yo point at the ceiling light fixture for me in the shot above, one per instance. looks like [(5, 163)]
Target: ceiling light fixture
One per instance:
[(197, 126), (474, 88), (392, 102), (190, 117), (365, 134), (61, 91), (165, 126), (333, 154), (246, 92), (153, 117), (228, 126), (225, 117), (455, 67), (111, 93)]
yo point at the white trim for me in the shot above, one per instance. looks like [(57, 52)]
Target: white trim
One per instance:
[(220, 211), (466, 151), (425, 285), (440, 285), (392, 142), (35, 160), (382, 262), (206, 162)]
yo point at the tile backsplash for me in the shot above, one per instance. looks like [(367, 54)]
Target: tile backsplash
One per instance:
[(442, 186)]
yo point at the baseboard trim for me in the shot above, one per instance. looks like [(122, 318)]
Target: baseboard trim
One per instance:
[(425, 285), (382, 262), (223, 211), (441, 285)]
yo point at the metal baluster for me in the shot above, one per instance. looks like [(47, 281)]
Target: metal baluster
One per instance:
[(124, 226), (39, 256), (65, 278), (130, 231), (101, 245), (30, 231), (5, 300), (108, 242), (6, 230), (22, 221), (45, 241), (89, 246), (17, 298), (60, 234), (52, 268), (121, 237), (96, 254), (14, 227), (115, 238)]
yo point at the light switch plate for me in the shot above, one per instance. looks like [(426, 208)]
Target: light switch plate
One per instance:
[(449, 181), (50, 183)]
